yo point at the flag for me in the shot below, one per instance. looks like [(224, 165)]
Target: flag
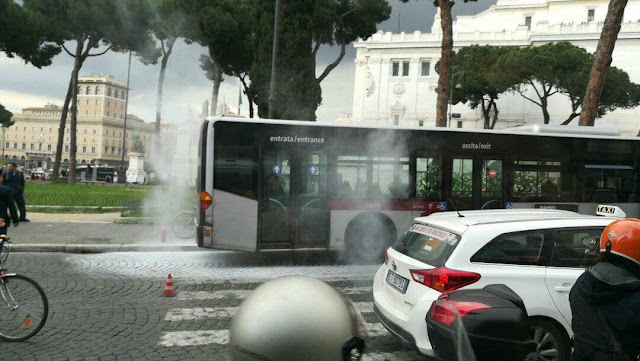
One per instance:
[(239, 98)]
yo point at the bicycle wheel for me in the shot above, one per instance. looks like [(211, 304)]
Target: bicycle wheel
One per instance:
[(23, 308), (183, 225)]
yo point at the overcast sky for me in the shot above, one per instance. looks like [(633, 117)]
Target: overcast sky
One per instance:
[(185, 85)]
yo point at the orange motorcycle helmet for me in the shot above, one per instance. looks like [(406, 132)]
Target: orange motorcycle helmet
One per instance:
[(622, 238)]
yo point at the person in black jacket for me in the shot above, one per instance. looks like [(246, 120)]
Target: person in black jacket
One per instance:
[(7, 202), (605, 300), (14, 179)]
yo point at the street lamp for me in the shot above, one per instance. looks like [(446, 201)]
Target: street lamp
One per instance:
[(274, 55), (458, 86)]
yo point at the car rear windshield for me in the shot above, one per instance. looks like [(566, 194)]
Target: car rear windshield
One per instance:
[(427, 244)]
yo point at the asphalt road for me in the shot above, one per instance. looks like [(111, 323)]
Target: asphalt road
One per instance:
[(108, 306)]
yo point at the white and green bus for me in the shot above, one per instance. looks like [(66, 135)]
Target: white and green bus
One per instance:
[(271, 185)]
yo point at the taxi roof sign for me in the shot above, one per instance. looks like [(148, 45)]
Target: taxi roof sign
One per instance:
[(610, 211)]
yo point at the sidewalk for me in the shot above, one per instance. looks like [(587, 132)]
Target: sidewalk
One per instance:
[(93, 233)]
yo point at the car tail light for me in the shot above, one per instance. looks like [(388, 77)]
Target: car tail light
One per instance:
[(443, 279), (386, 255), (205, 200), (445, 311)]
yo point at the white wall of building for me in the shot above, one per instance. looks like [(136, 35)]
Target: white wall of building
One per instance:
[(379, 96)]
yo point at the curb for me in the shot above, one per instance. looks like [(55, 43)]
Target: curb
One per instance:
[(101, 248), (136, 220)]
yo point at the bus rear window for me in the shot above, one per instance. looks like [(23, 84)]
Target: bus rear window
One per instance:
[(427, 244)]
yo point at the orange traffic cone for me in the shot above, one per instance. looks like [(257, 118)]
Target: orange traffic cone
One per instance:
[(168, 287)]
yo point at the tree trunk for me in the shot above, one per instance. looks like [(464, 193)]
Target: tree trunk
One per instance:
[(445, 62), (602, 61), (73, 126), (163, 67), (485, 113), (63, 122), (248, 93), (495, 114), (217, 80), (545, 111)]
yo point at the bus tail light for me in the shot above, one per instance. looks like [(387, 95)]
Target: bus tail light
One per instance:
[(205, 200), (443, 279)]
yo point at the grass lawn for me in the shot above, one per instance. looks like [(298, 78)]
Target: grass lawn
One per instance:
[(98, 195)]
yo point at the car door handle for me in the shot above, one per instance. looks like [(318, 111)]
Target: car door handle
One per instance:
[(564, 288)]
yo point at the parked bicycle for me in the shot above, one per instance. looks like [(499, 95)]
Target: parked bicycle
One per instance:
[(23, 304), (184, 224)]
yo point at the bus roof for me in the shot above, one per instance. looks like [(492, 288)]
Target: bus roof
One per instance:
[(528, 130)]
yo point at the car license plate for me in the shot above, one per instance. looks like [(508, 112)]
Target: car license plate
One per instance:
[(398, 282)]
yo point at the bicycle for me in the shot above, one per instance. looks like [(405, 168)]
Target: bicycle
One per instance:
[(23, 304), (184, 224)]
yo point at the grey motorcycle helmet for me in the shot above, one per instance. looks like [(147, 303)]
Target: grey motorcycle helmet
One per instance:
[(297, 318)]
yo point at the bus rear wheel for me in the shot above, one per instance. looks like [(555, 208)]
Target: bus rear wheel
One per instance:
[(367, 237)]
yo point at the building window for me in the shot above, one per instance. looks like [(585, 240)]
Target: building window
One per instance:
[(95, 113), (66, 148), (396, 119), (109, 103), (527, 22), (96, 101), (421, 123), (459, 124), (49, 130), (87, 102), (106, 150), (97, 90), (24, 146), (425, 68), (15, 145), (591, 15), (113, 150), (115, 93), (85, 132), (40, 147), (89, 90), (107, 113), (79, 90), (41, 129), (93, 150), (31, 146), (86, 112), (84, 149), (400, 65), (6, 145), (108, 91), (49, 147), (94, 131)]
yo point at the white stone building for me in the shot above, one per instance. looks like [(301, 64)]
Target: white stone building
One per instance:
[(395, 79)]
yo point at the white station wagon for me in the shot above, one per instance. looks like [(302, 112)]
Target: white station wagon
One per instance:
[(538, 253)]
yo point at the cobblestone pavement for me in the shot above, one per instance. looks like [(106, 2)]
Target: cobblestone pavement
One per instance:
[(109, 307)]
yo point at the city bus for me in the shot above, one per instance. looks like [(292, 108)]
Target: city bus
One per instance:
[(275, 185), (100, 173)]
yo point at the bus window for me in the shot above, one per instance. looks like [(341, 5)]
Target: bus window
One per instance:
[(462, 182), (491, 181), (542, 181), (609, 183), (428, 179), (235, 170), (373, 177)]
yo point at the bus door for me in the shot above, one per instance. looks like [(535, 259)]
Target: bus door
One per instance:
[(476, 182), (294, 211)]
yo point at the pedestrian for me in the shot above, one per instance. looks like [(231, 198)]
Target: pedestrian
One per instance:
[(7, 202), (605, 300), (14, 179)]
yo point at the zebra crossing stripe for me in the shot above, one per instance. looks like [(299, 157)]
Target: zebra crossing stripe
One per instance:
[(240, 294), (221, 337), (202, 313), (194, 338)]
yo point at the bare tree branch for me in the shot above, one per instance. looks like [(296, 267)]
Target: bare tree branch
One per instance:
[(98, 54), (529, 99), (534, 88), (67, 50), (333, 65)]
